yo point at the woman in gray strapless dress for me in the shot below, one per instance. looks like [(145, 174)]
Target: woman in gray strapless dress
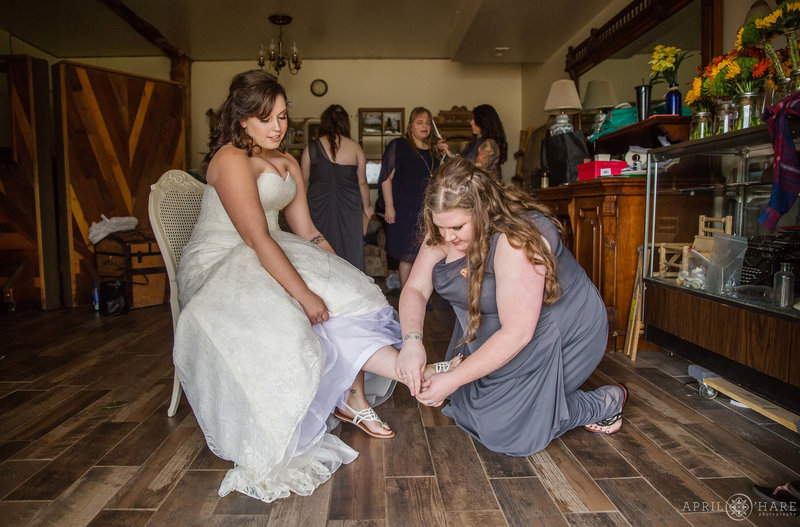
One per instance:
[(535, 331), (336, 185)]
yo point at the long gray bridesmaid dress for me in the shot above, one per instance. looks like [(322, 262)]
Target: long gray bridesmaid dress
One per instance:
[(334, 201), (522, 406)]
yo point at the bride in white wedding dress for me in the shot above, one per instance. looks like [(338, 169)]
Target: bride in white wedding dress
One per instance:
[(274, 327)]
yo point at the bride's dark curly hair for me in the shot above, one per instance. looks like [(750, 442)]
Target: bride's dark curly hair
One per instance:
[(251, 94), (493, 207)]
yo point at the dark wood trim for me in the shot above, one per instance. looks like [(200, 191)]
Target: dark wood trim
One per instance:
[(181, 72), (633, 21), (711, 30), (144, 28)]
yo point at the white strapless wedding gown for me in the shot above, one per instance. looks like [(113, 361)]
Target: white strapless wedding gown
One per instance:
[(260, 378)]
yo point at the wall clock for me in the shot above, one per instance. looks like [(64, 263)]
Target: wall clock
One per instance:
[(319, 87)]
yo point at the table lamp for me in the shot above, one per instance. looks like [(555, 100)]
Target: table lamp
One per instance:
[(599, 97), (562, 100)]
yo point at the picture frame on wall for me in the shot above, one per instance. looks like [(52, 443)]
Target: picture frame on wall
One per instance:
[(392, 123), (371, 123), (312, 129)]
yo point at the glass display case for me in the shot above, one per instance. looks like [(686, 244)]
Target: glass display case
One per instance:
[(709, 265)]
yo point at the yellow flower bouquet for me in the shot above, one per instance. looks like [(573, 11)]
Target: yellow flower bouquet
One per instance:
[(664, 64)]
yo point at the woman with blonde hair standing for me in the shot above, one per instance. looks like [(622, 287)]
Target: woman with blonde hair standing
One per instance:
[(407, 166)]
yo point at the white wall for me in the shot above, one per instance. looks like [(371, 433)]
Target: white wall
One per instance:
[(155, 67), (434, 84)]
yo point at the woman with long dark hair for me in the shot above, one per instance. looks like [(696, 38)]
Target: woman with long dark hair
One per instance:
[(489, 149), (334, 171)]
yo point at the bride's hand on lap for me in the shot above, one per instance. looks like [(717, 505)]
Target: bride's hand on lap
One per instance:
[(436, 389), (410, 365), (314, 307)]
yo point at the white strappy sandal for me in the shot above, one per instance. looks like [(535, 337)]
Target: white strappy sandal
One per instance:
[(444, 366), (361, 416)]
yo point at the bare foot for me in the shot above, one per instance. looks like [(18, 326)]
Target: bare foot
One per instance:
[(365, 418), (430, 369)]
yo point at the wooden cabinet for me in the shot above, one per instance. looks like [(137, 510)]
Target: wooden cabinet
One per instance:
[(603, 221)]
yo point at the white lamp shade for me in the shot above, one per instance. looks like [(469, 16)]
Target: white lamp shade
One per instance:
[(599, 95), (563, 97)]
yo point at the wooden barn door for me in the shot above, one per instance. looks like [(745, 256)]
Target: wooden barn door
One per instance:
[(118, 133), (28, 246)]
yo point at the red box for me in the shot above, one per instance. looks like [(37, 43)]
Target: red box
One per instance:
[(595, 169)]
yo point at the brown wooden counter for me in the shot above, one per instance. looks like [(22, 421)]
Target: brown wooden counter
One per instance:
[(604, 220)]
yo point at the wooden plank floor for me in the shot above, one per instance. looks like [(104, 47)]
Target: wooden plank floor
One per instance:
[(70, 456)]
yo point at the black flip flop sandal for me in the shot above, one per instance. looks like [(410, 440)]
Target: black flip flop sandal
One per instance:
[(780, 494)]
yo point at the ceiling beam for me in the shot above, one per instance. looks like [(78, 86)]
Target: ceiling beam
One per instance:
[(145, 28)]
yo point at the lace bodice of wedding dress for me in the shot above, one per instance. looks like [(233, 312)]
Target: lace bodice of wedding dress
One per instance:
[(260, 379)]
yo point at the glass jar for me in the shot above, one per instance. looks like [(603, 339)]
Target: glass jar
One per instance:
[(724, 117), (783, 286), (782, 89), (794, 85), (748, 109), (701, 125)]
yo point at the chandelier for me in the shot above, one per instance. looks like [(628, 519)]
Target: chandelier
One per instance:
[(276, 54)]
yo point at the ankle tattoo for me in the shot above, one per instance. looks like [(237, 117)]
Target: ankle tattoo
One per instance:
[(353, 391)]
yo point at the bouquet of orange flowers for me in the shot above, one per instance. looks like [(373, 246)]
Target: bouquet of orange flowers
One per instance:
[(740, 71), (760, 31), (699, 97)]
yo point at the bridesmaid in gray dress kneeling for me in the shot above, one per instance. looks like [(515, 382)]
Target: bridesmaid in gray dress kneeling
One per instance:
[(530, 324)]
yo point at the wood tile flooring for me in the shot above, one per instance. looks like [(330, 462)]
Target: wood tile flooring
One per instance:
[(70, 456)]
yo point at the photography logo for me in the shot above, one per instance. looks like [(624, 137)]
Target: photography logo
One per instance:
[(738, 507)]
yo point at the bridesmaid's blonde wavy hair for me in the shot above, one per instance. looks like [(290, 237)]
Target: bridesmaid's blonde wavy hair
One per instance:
[(494, 207)]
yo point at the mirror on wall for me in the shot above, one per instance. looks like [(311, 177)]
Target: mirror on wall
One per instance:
[(619, 50), (629, 66)]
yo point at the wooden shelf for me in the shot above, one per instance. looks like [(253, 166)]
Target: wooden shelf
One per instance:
[(645, 134)]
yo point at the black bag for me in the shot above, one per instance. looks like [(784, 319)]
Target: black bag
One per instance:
[(562, 154), (112, 297)]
